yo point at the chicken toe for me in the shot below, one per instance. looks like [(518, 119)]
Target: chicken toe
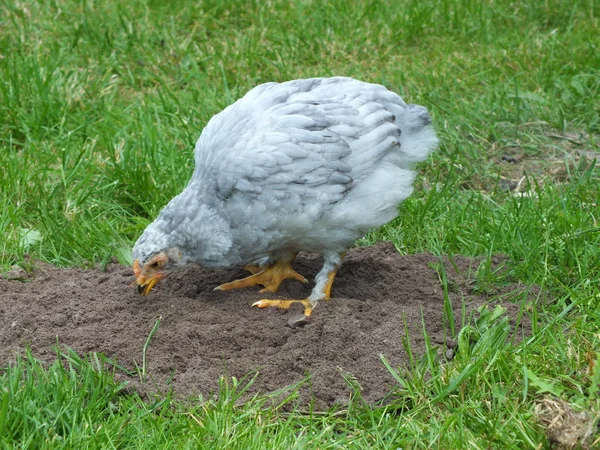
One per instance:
[(270, 278)]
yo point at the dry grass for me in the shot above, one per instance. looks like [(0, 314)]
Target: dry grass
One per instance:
[(567, 426)]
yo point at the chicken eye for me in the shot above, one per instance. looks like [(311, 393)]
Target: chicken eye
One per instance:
[(155, 265)]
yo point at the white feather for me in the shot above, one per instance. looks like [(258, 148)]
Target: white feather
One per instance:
[(303, 165)]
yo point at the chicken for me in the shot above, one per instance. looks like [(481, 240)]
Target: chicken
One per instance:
[(306, 165)]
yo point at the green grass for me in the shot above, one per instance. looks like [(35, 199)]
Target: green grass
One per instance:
[(101, 103)]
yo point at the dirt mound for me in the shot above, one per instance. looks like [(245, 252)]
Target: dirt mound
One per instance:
[(204, 333)]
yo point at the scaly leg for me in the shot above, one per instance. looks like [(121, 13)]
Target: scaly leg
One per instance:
[(321, 291), (252, 268), (270, 278)]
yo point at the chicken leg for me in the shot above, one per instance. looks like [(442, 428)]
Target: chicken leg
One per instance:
[(321, 291), (270, 278)]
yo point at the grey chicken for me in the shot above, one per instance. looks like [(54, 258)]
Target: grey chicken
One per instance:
[(305, 165)]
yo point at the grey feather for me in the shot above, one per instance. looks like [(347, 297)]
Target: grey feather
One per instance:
[(302, 165)]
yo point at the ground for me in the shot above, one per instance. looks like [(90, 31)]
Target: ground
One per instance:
[(101, 103), (204, 334)]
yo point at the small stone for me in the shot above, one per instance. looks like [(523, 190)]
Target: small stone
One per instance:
[(16, 273), (298, 320), (449, 354), (59, 320), (513, 159), (13, 325)]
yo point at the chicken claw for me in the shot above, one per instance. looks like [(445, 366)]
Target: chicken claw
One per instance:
[(285, 304), (270, 278)]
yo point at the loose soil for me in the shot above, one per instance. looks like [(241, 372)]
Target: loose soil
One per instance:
[(204, 333)]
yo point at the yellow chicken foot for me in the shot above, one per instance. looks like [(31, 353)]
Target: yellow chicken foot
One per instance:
[(252, 268), (284, 304), (270, 278), (323, 293)]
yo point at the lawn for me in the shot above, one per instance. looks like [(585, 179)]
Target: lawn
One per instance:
[(102, 101)]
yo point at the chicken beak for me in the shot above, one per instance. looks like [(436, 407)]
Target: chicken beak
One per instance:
[(144, 285)]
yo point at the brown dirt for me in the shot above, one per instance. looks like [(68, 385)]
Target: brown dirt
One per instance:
[(204, 334)]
